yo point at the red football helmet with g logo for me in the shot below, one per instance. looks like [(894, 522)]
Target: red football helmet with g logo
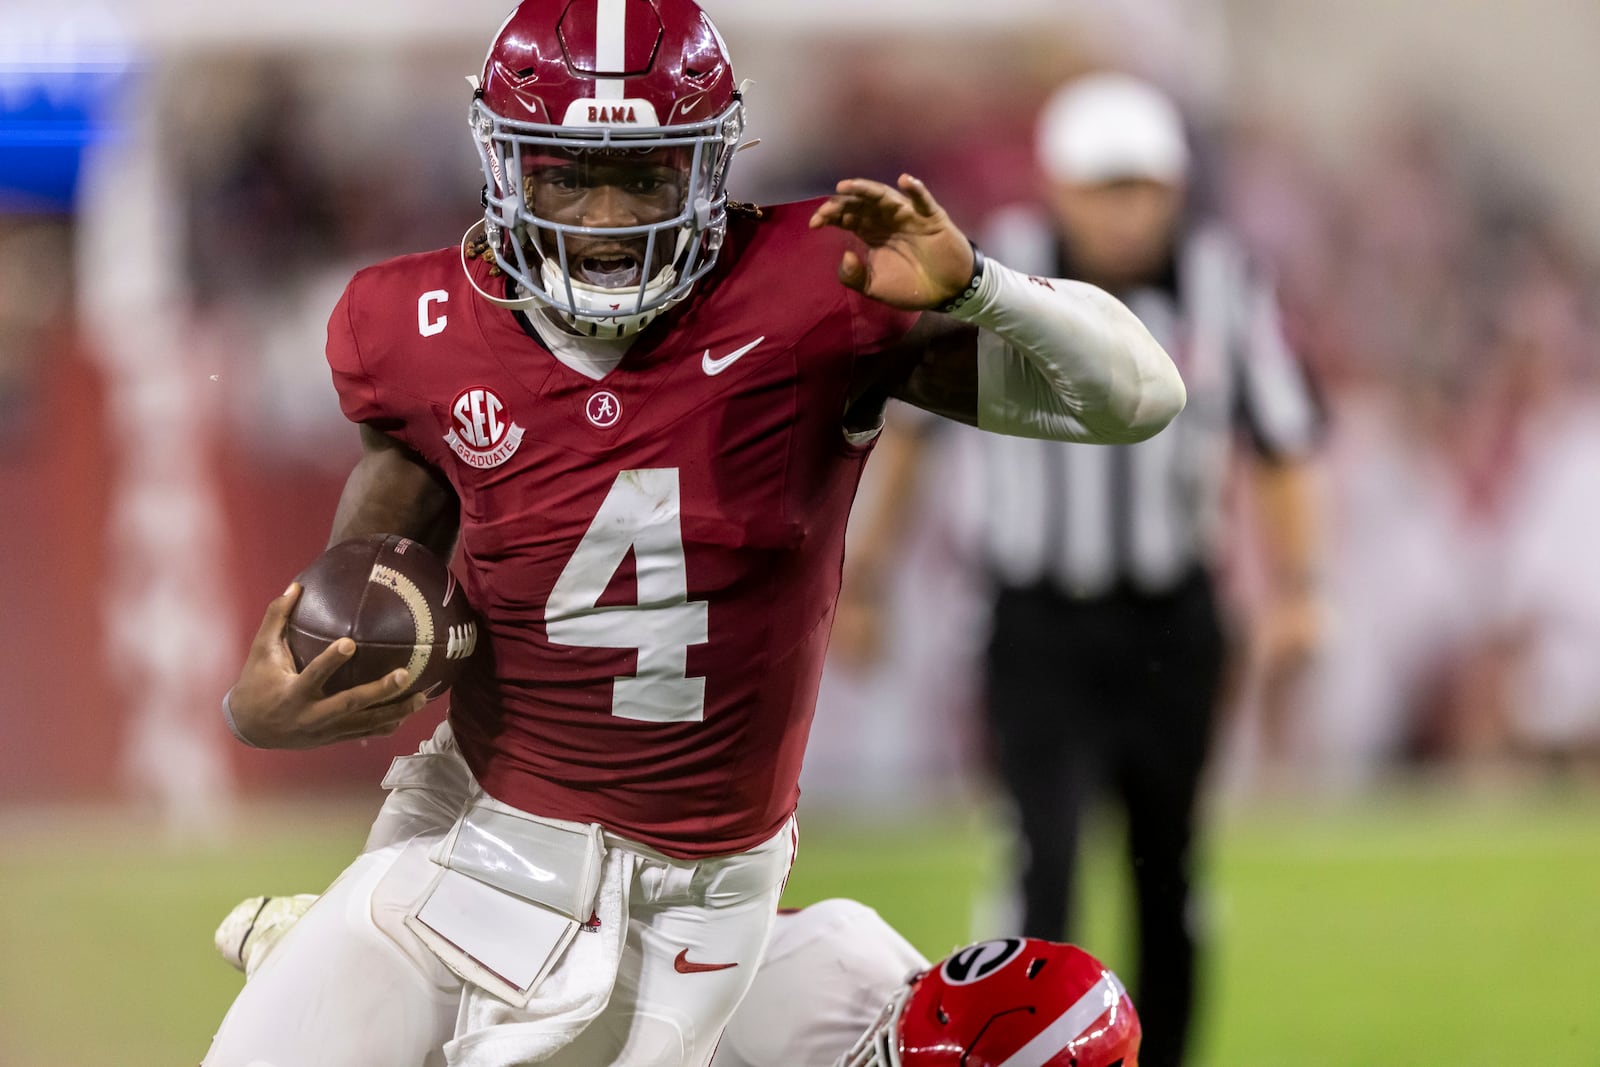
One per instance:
[(605, 128), (1019, 1002)]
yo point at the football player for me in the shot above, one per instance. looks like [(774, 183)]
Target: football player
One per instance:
[(639, 411), (1018, 1002), (812, 1003)]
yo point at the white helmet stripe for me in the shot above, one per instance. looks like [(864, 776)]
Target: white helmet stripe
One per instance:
[(496, 38), (610, 46), (1070, 1025)]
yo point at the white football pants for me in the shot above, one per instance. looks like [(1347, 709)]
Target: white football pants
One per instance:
[(350, 986)]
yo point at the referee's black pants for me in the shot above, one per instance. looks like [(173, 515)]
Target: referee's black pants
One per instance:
[(1111, 695)]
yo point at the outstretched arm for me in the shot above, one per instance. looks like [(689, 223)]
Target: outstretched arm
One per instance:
[(274, 706), (1034, 357)]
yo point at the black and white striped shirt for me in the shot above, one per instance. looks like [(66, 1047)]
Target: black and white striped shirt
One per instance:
[(1088, 518)]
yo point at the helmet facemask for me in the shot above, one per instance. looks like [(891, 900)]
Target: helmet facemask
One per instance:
[(609, 226), (879, 1045)]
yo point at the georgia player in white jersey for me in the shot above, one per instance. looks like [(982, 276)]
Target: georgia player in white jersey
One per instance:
[(839, 987)]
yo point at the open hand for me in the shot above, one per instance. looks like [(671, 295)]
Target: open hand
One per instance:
[(915, 257), (275, 706)]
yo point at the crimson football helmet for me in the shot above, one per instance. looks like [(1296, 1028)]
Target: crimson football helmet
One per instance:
[(605, 129), (1019, 1001)]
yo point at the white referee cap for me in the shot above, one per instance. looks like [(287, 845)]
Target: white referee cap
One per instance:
[(1104, 127)]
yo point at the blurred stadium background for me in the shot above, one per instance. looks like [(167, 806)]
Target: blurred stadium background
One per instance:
[(1407, 856)]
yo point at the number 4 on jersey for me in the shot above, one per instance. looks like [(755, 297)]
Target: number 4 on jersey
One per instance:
[(640, 512)]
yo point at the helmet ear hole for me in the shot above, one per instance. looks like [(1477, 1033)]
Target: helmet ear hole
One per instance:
[(1035, 967)]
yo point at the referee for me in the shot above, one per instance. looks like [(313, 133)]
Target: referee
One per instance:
[(1106, 651)]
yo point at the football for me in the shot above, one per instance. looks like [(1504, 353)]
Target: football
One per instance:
[(400, 604)]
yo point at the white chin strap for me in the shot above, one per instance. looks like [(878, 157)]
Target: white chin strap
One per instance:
[(595, 309)]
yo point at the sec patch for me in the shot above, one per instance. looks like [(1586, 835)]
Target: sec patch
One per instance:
[(483, 435)]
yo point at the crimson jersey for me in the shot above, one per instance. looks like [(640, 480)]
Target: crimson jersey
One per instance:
[(656, 554)]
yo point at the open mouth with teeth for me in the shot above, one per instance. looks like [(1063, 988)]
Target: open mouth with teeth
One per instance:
[(608, 269), (611, 263)]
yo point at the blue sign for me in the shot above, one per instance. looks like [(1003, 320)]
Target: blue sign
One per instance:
[(57, 98)]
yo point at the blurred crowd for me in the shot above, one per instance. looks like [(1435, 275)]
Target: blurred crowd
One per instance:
[(1434, 291), (1448, 314)]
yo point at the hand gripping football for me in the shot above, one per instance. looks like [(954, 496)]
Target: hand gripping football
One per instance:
[(397, 601)]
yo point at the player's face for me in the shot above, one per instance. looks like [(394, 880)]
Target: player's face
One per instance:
[(1120, 232), (607, 190)]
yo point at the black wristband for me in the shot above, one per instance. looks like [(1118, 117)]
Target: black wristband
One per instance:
[(972, 284)]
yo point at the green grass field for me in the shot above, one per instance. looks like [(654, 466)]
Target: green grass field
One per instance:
[(1415, 931)]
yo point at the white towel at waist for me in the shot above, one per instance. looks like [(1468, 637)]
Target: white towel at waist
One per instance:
[(492, 1033)]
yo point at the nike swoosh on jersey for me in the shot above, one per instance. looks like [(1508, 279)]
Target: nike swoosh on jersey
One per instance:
[(682, 965), (714, 367)]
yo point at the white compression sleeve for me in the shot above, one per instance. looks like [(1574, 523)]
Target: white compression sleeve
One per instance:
[(1066, 361)]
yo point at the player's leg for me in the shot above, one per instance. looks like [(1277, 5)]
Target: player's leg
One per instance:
[(696, 936), (827, 972), (347, 985), (829, 969), (1045, 749), (338, 991), (249, 933), (1161, 763)]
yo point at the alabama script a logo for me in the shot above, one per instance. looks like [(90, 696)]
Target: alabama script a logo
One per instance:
[(482, 436)]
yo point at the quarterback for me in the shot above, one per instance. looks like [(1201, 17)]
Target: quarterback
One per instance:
[(636, 412)]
